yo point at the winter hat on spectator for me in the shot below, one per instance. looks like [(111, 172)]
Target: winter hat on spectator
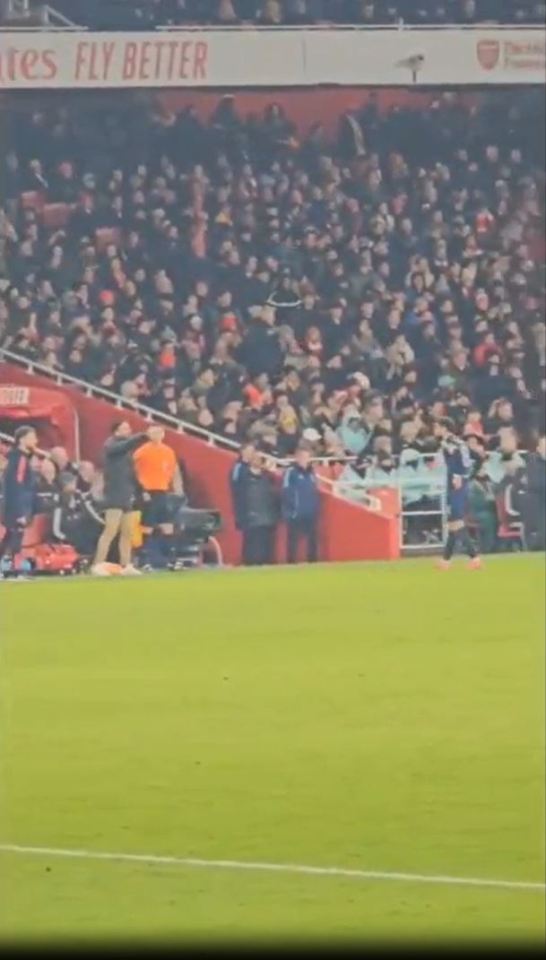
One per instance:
[(107, 298)]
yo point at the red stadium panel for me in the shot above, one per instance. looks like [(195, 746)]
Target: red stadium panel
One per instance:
[(32, 200), (107, 235), (56, 214)]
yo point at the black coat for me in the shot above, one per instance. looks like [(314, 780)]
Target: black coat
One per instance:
[(259, 501), (261, 351), (536, 477), (119, 471)]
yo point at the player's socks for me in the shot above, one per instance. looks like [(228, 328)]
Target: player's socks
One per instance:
[(449, 546)]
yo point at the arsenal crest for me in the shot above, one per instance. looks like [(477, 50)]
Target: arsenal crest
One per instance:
[(488, 53)]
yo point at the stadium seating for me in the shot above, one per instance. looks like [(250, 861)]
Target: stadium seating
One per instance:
[(55, 215), (145, 14)]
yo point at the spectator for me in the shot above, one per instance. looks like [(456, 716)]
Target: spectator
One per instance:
[(301, 505), (47, 487), (75, 519), (62, 465)]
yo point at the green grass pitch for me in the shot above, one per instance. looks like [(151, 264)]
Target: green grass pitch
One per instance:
[(371, 717)]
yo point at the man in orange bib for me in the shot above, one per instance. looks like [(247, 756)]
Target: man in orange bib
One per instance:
[(158, 476)]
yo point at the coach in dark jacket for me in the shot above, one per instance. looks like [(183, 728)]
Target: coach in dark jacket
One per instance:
[(120, 487), (237, 478), (259, 512), (300, 505)]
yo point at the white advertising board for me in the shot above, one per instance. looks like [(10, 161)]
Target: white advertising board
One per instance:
[(271, 58)]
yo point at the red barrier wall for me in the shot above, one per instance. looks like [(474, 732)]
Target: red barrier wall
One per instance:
[(347, 530)]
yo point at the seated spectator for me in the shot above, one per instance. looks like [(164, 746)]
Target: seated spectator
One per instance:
[(47, 486), (76, 520), (64, 469), (506, 453)]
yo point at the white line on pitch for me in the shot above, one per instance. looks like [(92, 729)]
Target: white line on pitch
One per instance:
[(270, 867)]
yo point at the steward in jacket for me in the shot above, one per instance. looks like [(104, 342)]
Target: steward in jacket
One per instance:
[(259, 512), (301, 505)]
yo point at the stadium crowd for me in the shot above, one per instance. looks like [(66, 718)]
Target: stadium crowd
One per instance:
[(147, 14), (269, 287)]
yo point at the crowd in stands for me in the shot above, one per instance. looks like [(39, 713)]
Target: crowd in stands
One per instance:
[(147, 14), (267, 286)]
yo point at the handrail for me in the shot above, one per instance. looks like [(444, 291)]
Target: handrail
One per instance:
[(44, 28), (181, 426), (367, 500), (208, 28), (360, 27), (59, 17)]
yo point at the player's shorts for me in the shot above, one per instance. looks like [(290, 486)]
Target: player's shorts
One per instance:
[(457, 507), (157, 510)]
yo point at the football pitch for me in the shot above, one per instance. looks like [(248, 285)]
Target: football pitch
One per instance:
[(185, 757)]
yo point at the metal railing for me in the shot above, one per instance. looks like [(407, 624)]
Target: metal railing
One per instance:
[(423, 513), (101, 393), (48, 17), (354, 27), (366, 499), (40, 28), (280, 28)]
